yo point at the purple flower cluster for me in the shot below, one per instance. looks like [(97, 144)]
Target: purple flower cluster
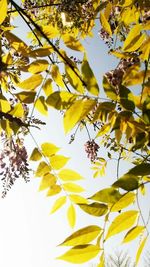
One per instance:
[(91, 148), (115, 76), (13, 163)]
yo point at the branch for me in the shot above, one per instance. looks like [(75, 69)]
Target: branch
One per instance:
[(35, 7)]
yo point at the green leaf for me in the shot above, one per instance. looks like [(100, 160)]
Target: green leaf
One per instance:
[(133, 233), (38, 66), (77, 112), (122, 222), (58, 204), (57, 161), (26, 97), (41, 106), (42, 169), (69, 175), (126, 200), (36, 155), (47, 181), (60, 100), (107, 195), (127, 182), (94, 209), (71, 215), (49, 149), (80, 254), (88, 77), (71, 187), (140, 249), (3, 10), (82, 236), (31, 83)]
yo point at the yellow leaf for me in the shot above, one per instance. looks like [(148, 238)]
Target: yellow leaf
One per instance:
[(82, 236), (130, 15), (54, 190), (26, 97), (17, 111), (133, 233), (50, 31), (136, 43), (47, 181), (132, 37), (78, 199), (57, 77), (57, 161), (105, 129), (60, 99), (42, 169), (124, 201), (145, 49), (66, 19), (73, 79), (122, 222), (140, 249), (135, 78), (16, 43), (36, 155), (72, 42), (31, 83), (47, 87), (69, 175), (105, 23), (77, 112), (58, 204), (7, 59), (41, 52), (71, 215), (49, 149), (80, 254), (89, 78), (3, 10), (108, 10), (41, 106), (38, 66), (102, 261), (72, 187), (4, 104)]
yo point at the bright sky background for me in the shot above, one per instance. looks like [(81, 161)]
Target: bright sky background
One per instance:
[(29, 235)]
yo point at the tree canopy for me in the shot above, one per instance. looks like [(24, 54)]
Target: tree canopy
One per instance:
[(40, 74)]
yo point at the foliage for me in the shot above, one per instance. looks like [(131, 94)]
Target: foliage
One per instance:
[(121, 119)]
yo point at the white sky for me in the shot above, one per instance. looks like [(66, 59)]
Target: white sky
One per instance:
[(29, 235)]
